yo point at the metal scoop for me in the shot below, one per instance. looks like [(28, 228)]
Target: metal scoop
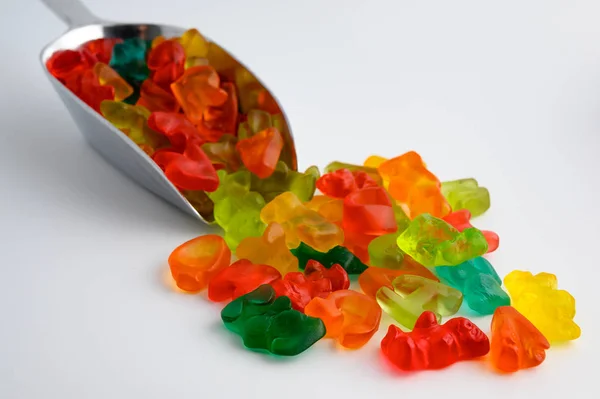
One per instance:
[(108, 141)]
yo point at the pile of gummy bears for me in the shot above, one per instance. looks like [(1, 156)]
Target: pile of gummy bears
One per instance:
[(220, 138)]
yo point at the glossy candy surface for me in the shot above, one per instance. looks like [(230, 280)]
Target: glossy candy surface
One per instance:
[(412, 295), (433, 242), (349, 317), (461, 220), (337, 255), (466, 194), (373, 278), (269, 249), (239, 279), (516, 343), (433, 346), (266, 322), (194, 263), (538, 298), (478, 281)]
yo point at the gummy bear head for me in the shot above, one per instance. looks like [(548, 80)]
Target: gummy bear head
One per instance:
[(471, 340)]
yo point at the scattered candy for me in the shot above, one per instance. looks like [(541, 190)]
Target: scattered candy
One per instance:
[(516, 343), (221, 139), (267, 322), (349, 316), (434, 346), (412, 295), (538, 298), (478, 281)]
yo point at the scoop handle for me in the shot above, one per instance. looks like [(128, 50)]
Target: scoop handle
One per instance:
[(72, 12)]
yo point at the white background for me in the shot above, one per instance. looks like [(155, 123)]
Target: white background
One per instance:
[(506, 91)]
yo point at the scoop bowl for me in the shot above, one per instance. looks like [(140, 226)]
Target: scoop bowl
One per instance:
[(112, 144)]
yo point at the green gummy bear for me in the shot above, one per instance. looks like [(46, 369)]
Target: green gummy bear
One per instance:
[(466, 194), (284, 179), (384, 251), (237, 209), (336, 255), (129, 60), (433, 242), (479, 283), (268, 323)]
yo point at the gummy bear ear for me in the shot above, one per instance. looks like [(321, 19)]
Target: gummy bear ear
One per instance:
[(426, 320)]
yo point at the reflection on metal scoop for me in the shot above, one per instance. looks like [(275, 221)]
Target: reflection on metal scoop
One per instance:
[(107, 140)]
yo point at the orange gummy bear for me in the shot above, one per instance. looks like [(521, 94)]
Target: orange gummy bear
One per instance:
[(109, 77), (197, 89), (414, 186), (349, 316), (196, 261), (223, 119), (516, 342), (260, 152)]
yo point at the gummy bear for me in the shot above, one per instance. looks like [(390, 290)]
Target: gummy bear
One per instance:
[(223, 153), (155, 98), (371, 172), (237, 209), (384, 252), (191, 170), (317, 281), (87, 87), (369, 211), (260, 152), (516, 343), (175, 127), (301, 223), (200, 201), (466, 194), (538, 298), (222, 119), (479, 283), (132, 120), (461, 220), (372, 279), (350, 317), (64, 63), (341, 182), (100, 50), (129, 60), (269, 323), (166, 63), (195, 46), (256, 121), (195, 262), (337, 255), (331, 209), (269, 249), (284, 179), (240, 278), (411, 295), (414, 186), (109, 77), (198, 88), (434, 346), (433, 242)]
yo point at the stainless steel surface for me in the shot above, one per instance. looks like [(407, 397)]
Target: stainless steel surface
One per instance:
[(107, 140)]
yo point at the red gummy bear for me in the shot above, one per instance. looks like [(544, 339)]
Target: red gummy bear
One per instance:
[(340, 183), (336, 274), (192, 170), (176, 127), (100, 50), (166, 63), (461, 220), (85, 85), (155, 98), (239, 279), (434, 346), (369, 211), (65, 63), (317, 281)]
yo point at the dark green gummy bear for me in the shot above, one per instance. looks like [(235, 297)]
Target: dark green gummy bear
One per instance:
[(336, 255), (129, 60), (269, 323)]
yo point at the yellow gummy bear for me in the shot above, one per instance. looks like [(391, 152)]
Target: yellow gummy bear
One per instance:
[(269, 249), (538, 298)]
